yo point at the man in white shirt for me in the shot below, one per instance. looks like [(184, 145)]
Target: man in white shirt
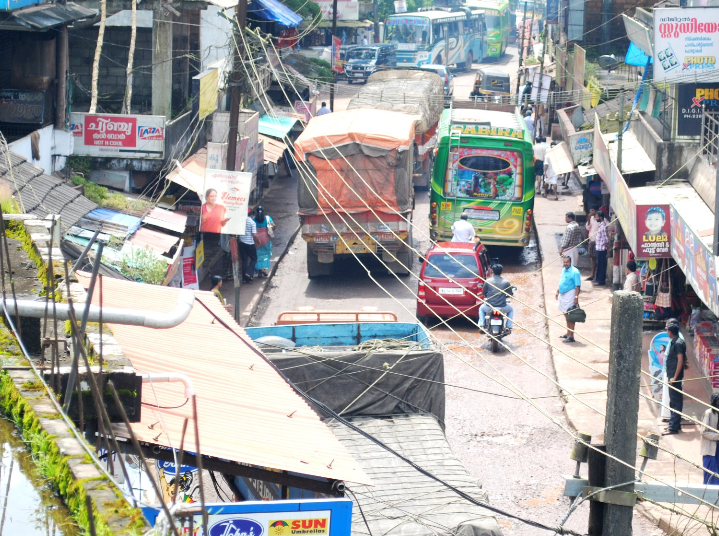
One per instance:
[(462, 230), (364, 41), (530, 123), (540, 151), (248, 251), (323, 110)]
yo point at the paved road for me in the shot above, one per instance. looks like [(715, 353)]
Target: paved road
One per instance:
[(515, 452)]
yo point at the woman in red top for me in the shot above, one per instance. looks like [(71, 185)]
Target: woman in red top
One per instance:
[(213, 215)]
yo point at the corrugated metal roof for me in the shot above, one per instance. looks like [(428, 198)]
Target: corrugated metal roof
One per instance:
[(42, 194), (114, 222), (402, 501), (44, 16), (247, 412), (172, 221), (273, 148), (159, 242), (192, 173)]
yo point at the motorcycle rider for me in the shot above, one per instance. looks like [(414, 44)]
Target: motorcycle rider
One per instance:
[(495, 290)]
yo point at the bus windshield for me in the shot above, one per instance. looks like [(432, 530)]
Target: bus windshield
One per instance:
[(484, 174), (407, 30), (492, 20)]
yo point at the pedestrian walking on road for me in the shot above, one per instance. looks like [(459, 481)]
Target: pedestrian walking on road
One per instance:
[(530, 123), (676, 357), (572, 238), (248, 251), (550, 177), (265, 234), (323, 110), (710, 441), (570, 283), (592, 227), (601, 240), (540, 152), (462, 230)]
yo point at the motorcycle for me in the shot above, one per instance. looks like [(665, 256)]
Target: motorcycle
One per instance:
[(495, 326)]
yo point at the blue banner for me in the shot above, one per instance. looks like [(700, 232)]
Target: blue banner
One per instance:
[(552, 15)]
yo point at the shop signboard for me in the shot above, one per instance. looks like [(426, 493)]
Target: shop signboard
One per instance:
[(695, 259), (325, 517), (189, 270), (205, 87), (225, 198), (22, 106), (336, 59), (686, 44), (691, 100), (118, 136), (623, 204), (581, 146), (600, 159), (552, 16), (653, 234), (306, 108), (346, 9)]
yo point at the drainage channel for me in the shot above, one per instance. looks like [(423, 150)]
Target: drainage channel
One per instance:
[(28, 506)]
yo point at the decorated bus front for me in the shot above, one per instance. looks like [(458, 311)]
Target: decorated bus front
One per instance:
[(484, 169)]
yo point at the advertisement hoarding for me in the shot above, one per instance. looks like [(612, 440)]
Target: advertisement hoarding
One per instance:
[(23, 106), (205, 87), (118, 136), (691, 99), (686, 44), (653, 231), (552, 15), (225, 200), (321, 517), (346, 9), (336, 60)]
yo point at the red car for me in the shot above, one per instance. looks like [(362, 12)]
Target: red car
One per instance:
[(451, 280)]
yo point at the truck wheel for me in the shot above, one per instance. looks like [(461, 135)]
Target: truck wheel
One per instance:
[(316, 268)]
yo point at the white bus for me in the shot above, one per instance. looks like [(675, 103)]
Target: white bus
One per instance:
[(438, 37)]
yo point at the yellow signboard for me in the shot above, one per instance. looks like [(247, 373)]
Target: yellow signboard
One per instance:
[(445, 205), (208, 92), (517, 211), (200, 254)]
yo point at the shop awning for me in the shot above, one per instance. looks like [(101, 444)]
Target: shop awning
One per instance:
[(246, 412), (277, 127), (44, 17), (191, 173), (273, 11), (340, 24), (273, 149), (561, 159), (634, 158)]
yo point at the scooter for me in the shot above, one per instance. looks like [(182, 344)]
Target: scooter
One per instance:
[(494, 326)]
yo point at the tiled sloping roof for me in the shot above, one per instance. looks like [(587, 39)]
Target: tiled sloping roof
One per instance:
[(402, 501), (41, 194)]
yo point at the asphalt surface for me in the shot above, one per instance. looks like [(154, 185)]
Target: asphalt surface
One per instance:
[(517, 453)]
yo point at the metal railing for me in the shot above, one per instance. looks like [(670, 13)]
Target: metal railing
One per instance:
[(710, 135)]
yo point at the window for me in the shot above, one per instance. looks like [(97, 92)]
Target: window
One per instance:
[(484, 174), (454, 265), (437, 32)]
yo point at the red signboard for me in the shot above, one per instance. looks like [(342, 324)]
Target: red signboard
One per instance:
[(336, 61), (653, 231), (110, 131)]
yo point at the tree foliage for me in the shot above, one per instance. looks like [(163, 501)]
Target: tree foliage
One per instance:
[(385, 8), (143, 265)]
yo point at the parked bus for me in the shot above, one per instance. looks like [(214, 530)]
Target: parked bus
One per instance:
[(499, 25), (484, 168), (438, 37)]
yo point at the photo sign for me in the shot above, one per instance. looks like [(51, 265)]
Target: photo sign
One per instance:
[(118, 136), (225, 199), (686, 44), (692, 100)]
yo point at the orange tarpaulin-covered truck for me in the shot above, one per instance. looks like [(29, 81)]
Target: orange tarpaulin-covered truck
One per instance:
[(355, 188)]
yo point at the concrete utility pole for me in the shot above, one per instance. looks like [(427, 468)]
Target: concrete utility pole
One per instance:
[(541, 81), (332, 48), (607, 11), (235, 101), (620, 430), (61, 55), (521, 46), (375, 17), (621, 131)]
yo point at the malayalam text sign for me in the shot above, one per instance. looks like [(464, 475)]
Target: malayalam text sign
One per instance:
[(225, 200), (118, 136), (686, 44), (653, 235)]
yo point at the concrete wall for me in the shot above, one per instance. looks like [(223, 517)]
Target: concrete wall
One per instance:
[(112, 79), (54, 145), (214, 35)]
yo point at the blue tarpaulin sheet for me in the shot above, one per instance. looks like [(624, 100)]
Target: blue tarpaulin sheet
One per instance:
[(277, 127), (273, 11), (636, 57), (103, 214)]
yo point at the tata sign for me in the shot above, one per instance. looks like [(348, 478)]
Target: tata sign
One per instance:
[(691, 100), (320, 517), (118, 136)]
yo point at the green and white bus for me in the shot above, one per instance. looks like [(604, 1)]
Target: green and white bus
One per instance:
[(497, 17), (438, 37), (484, 168)]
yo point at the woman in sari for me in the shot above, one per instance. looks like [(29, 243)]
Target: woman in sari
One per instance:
[(213, 215), (265, 232)]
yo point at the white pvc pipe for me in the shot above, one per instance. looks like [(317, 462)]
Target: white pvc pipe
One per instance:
[(158, 377), (111, 315)]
